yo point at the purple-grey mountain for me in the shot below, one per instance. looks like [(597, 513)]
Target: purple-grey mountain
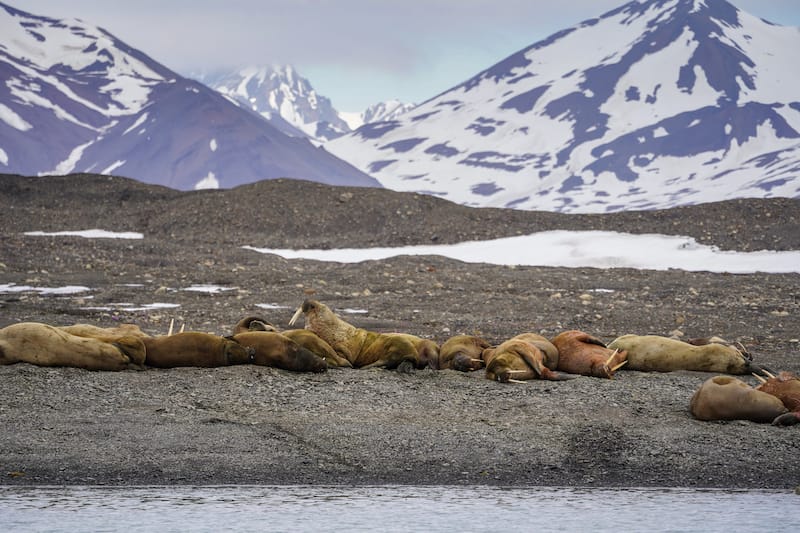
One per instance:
[(76, 99)]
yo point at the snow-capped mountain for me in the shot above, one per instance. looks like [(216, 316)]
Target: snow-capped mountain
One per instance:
[(289, 102), (76, 99), (283, 97), (654, 104)]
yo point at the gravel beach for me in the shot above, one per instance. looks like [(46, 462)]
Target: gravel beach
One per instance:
[(259, 425)]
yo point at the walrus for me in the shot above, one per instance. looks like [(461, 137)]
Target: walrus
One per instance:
[(364, 349), (313, 343), (277, 350), (427, 350), (45, 345), (304, 337), (89, 330), (253, 323), (581, 353), (194, 348), (461, 352), (525, 356), (729, 398), (653, 353), (786, 387)]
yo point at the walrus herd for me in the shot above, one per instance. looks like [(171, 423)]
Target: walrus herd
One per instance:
[(328, 341)]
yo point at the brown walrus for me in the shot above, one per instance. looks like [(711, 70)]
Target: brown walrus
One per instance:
[(581, 353), (194, 348), (786, 387), (461, 352), (654, 353), (525, 356), (277, 350), (44, 345), (364, 349), (729, 398), (253, 323)]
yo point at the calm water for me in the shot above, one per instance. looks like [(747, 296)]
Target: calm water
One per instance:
[(393, 508)]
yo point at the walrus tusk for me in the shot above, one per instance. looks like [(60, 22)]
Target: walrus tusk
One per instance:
[(516, 371), (759, 378), (296, 315), (183, 326), (769, 375), (610, 357), (619, 366), (476, 360), (171, 323), (515, 381)]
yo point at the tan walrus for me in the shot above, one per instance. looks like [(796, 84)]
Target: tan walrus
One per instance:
[(461, 352), (525, 356), (729, 398), (654, 353), (581, 353), (194, 348), (364, 349), (786, 387), (277, 350), (45, 345)]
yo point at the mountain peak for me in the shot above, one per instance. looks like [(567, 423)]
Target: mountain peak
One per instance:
[(654, 104)]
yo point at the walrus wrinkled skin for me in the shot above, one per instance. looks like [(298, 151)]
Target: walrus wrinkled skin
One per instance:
[(364, 349), (461, 352), (786, 387), (729, 398), (44, 345), (194, 348), (581, 353), (253, 323), (653, 353), (525, 356), (279, 351)]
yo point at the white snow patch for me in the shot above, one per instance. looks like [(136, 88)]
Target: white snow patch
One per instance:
[(575, 249), (6, 288), (213, 145), (113, 166), (8, 116), (211, 289), (139, 122), (3, 157), (209, 182), (272, 306), (89, 234)]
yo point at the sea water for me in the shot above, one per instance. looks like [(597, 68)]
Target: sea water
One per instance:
[(393, 508)]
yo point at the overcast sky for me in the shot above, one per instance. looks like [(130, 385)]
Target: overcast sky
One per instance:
[(355, 52)]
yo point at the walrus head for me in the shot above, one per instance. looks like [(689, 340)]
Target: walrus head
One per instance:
[(253, 323), (309, 307)]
